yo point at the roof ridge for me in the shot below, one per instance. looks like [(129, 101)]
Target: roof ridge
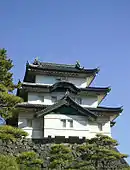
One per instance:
[(57, 64)]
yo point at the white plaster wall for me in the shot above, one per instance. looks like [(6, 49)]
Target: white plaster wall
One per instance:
[(36, 131), (79, 82), (106, 129), (46, 80), (35, 99), (53, 126), (81, 126), (89, 101), (50, 80)]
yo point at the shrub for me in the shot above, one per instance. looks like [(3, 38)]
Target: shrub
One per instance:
[(11, 133), (5, 136), (28, 160), (61, 157), (8, 163)]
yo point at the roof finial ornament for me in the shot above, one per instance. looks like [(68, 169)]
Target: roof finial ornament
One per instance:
[(77, 65), (67, 93), (36, 61), (27, 63), (19, 82)]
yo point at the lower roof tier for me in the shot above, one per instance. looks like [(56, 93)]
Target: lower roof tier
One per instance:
[(67, 102)]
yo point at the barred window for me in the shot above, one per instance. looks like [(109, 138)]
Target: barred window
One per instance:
[(63, 122), (70, 123)]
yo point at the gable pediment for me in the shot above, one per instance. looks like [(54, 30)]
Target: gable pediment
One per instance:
[(66, 105)]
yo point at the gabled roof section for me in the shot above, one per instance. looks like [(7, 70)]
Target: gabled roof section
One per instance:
[(64, 85), (69, 102)]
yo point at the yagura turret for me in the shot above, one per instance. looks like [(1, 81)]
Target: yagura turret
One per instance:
[(59, 101)]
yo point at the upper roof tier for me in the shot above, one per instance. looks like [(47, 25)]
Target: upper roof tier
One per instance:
[(43, 68)]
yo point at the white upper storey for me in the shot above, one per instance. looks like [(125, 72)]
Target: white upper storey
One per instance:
[(50, 80), (51, 98)]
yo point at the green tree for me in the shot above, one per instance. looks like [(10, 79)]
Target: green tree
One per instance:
[(100, 153), (7, 99)]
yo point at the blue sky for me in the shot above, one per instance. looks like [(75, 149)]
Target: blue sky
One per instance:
[(97, 33)]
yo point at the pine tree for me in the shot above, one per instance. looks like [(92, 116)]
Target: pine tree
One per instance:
[(7, 99), (101, 154)]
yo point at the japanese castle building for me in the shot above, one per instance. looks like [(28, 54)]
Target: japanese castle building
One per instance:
[(58, 101)]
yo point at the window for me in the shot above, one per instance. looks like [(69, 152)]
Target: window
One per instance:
[(79, 100), (41, 98), (53, 99), (61, 79), (70, 123), (63, 122), (29, 122), (58, 79), (100, 126), (64, 78)]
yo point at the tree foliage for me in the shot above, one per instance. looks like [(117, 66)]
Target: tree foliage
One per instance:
[(98, 153), (7, 99), (11, 133), (23, 161), (61, 156), (29, 161), (101, 153)]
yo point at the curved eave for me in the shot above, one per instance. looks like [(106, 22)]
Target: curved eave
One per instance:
[(102, 96), (30, 105), (70, 68), (116, 110), (110, 111), (112, 123), (96, 89), (65, 85), (32, 69)]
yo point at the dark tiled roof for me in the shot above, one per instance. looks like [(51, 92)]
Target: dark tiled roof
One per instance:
[(96, 89), (30, 105), (95, 110), (64, 85), (107, 109), (112, 123), (69, 102), (53, 69), (62, 67)]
